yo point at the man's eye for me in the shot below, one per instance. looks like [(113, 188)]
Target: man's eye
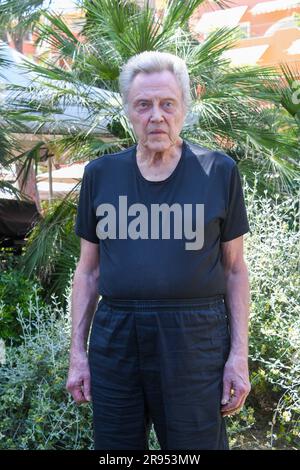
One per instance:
[(168, 104)]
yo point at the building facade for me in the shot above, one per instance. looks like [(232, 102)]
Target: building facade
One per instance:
[(269, 31)]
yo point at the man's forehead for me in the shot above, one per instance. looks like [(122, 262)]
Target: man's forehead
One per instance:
[(157, 83), (158, 95)]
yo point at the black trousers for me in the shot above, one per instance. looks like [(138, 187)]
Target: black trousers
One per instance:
[(160, 362)]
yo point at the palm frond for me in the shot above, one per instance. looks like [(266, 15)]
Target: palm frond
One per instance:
[(57, 34), (46, 241), (177, 12)]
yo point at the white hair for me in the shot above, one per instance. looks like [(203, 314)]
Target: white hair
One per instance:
[(154, 61)]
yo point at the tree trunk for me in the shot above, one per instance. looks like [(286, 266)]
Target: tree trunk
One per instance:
[(29, 186), (18, 42)]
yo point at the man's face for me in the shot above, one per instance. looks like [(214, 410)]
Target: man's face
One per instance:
[(155, 103)]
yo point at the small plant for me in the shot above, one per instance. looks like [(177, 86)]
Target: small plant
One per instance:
[(274, 338), (15, 291), (35, 409)]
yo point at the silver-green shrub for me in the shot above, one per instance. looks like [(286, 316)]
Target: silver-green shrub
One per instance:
[(36, 412), (272, 257)]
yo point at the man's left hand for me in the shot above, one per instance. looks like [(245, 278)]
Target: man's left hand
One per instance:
[(236, 384)]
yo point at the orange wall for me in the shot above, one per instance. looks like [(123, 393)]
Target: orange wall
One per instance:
[(261, 23), (278, 43)]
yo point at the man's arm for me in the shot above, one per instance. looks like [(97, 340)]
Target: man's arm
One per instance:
[(83, 305), (236, 373)]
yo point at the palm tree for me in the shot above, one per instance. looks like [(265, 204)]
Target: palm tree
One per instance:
[(244, 111)]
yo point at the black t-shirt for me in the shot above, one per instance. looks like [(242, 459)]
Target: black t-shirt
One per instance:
[(133, 266)]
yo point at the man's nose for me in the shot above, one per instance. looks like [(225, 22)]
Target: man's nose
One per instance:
[(156, 114)]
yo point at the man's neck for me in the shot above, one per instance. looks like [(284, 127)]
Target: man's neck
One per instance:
[(152, 159)]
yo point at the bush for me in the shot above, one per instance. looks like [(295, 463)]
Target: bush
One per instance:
[(15, 290), (272, 257), (36, 411)]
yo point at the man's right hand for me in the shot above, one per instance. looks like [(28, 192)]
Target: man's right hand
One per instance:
[(79, 379)]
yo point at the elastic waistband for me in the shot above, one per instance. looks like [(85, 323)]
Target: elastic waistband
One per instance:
[(163, 303)]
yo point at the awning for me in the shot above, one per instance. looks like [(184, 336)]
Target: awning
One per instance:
[(294, 48), (65, 174), (219, 18), (58, 189), (277, 5), (245, 55), (74, 117)]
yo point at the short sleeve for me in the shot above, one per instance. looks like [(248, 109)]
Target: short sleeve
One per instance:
[(85, 225), (236, 221)]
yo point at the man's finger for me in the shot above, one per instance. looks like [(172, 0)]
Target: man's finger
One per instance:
[(226, 392), (87, 389), (231, 412), (78, 395), (234, 402)]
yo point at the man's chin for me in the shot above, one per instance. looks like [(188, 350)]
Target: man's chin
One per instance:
[(158, 142)]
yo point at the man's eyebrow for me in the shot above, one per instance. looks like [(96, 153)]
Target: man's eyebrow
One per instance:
[(141, 99), (148, 100)]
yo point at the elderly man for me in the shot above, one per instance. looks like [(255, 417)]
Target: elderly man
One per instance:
[(161, 226)]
